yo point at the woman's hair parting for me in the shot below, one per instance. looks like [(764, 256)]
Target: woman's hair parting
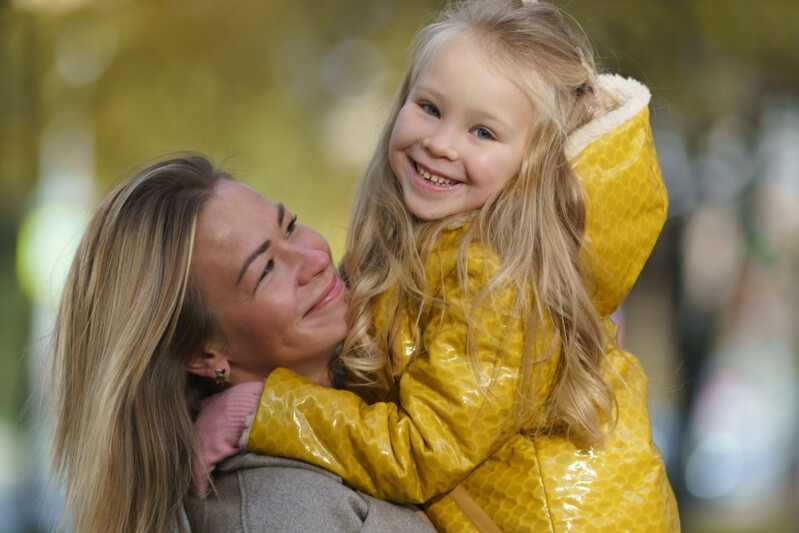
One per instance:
[(129, 322), (534, 224)]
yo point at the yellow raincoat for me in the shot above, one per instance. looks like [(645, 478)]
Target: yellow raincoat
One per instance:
[(458, 452)]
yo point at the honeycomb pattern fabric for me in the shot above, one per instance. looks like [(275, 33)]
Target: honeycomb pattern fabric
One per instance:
[(448, 431), (453, 425), (626, 207), (547, 484)]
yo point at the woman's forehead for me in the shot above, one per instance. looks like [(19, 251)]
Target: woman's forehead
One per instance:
[(229, 192), (235, 221)]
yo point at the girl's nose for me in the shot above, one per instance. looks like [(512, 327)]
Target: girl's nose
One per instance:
[(312, 262), (441, 143)]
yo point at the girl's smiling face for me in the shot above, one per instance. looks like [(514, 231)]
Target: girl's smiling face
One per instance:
[(461, 134)]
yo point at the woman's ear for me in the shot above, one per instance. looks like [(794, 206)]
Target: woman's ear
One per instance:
[(208, 360)]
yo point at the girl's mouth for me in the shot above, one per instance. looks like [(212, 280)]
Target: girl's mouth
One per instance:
[(432, 178)]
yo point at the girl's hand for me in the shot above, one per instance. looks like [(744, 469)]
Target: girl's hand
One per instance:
[(223, 419)]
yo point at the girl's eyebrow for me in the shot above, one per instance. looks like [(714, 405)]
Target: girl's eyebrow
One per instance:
[(281, 213)]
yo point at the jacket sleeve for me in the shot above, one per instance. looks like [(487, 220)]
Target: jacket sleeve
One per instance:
[(626, 205), (444, 429)]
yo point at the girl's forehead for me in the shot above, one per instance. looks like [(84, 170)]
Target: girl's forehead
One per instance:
[(445, 43), (487, 52), (474, 47)]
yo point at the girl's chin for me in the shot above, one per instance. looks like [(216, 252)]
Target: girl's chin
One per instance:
[(424, 209)]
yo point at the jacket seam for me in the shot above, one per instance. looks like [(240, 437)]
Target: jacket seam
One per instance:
[(544, 487)]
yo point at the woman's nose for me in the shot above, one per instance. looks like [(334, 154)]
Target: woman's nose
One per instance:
[(312, 262)]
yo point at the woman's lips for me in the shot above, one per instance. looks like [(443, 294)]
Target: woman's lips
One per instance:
[(331, 292)]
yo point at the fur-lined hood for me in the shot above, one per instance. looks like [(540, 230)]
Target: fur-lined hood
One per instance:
[(621, 99), (626, 203)]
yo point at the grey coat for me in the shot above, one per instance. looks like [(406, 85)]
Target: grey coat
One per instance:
[(262, 493)]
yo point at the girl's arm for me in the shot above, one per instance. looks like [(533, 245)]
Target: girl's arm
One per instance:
[(444, 429), (222, 419), (626, 202)]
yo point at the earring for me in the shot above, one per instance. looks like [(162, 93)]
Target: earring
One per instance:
[(221, 379)]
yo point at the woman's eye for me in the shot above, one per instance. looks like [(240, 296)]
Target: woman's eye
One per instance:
[(430, 109), (267, 269), (290, 227), (483, 133)]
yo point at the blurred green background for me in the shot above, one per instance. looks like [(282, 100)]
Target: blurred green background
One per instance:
[(290, 96)]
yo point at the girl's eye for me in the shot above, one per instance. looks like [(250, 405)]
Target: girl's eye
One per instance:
[(430, 109), (483, 133), (290, 227), (267, 269)]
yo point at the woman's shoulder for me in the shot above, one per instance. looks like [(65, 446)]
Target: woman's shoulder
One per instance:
[(256, 492), (243, 462)]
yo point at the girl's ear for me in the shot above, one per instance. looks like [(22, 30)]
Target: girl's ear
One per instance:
[(208, 360)]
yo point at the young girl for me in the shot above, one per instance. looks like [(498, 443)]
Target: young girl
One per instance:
[(510, 205)]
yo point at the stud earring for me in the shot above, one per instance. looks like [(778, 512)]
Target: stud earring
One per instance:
[(221, 379)]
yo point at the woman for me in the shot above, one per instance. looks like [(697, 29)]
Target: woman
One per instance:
[(185, 279)]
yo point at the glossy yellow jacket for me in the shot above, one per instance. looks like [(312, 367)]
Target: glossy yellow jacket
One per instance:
[(448, 434)]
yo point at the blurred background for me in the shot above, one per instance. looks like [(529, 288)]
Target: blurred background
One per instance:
[(290, 96)]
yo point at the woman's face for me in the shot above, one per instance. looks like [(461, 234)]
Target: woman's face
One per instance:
[(271, 285)]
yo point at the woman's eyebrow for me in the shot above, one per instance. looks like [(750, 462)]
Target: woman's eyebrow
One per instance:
[(258, 251), (281, 213)]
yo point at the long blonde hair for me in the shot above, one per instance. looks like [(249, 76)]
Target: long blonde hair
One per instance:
[(128, 323), (534, 224)]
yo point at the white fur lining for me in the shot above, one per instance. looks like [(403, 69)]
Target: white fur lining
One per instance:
[(247, 427), (623, 98)]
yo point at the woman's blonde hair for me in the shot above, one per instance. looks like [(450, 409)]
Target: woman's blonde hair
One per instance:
[(534, 224), (128, 324)]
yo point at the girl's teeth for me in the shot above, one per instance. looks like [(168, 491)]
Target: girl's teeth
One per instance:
[(438, 180)]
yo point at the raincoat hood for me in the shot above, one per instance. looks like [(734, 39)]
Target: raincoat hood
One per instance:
[(626, 203)]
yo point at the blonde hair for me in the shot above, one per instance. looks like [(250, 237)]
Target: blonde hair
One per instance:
[(534, 224), (128, 323)]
